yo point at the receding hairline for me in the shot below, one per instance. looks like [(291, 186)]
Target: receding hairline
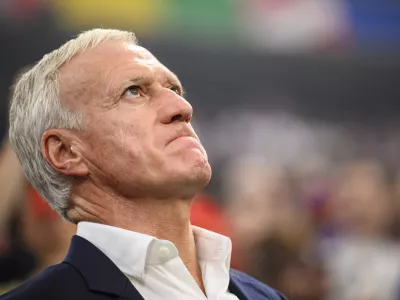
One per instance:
[(81, 72), (89, 52), (83, 42), (74, 87)]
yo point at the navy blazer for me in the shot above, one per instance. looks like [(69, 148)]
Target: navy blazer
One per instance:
[(88, 274)]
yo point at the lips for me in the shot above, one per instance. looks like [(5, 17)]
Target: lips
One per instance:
[(183, 134), (188, 139)]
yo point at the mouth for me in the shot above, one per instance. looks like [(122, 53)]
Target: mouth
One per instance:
[(181, 135), (186, 139), (189, 142)]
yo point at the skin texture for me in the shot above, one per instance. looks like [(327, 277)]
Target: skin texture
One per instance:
[(138, 162)]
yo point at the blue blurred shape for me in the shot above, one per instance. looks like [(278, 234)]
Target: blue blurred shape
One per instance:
[(375, 23)]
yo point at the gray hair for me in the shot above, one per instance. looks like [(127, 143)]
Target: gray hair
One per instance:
[(36, 107)]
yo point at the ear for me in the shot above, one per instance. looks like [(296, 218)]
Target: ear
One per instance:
[(61, 151)]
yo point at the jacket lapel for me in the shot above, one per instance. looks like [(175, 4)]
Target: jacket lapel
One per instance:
[(99, 272), (236, 288)]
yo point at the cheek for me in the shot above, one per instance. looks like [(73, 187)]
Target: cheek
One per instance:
[(123, 137), (119, 142)]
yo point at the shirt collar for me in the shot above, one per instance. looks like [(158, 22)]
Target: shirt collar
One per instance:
[(212, 246), (131, 251)]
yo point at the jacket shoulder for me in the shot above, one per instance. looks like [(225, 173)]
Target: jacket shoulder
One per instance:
[(260, 289), (56, 282)]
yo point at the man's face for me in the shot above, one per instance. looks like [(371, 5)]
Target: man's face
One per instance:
[(138, 140)]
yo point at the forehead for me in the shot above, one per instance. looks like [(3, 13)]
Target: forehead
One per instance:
[(141, 55), (108, 65), (110, 54)]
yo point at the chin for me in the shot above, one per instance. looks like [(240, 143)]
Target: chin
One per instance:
[(187, 171), (200, 168), (202, 175), (189, 180), (200, 172)]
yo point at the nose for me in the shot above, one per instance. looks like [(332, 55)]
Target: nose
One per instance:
[(175, 109)]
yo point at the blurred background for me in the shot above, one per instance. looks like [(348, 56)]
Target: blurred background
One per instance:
[(297, 104)]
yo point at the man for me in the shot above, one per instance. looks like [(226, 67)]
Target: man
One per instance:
[(103, 133)]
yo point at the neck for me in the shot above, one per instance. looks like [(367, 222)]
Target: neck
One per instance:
[(167, 219)]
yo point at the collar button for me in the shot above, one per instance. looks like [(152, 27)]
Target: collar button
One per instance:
[(164, 252)]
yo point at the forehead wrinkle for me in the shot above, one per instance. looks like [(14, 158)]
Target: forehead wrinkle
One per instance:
[(169, 76), (140, 63), (173, 79), (77, 82), (165, 76), (83, 77)]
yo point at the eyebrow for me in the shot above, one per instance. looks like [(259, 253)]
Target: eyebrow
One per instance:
[(115, 92), (173, 79), (139, 79)]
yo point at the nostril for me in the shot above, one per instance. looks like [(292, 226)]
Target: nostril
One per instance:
[(177, 118)]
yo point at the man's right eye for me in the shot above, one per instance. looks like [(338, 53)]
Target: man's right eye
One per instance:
[(132, 91)]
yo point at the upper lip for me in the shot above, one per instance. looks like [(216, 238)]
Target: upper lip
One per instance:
[(183, 133)]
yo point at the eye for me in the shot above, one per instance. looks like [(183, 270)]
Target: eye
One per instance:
[(176, 90), (133, 91)]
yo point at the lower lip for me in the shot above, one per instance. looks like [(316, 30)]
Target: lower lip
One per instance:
[(188, 141)]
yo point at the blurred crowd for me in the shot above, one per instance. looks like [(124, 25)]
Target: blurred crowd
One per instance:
[(325, 233), (304, 147), (313, 208)]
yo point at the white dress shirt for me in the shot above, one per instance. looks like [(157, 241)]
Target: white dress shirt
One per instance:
[(154, 267)]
